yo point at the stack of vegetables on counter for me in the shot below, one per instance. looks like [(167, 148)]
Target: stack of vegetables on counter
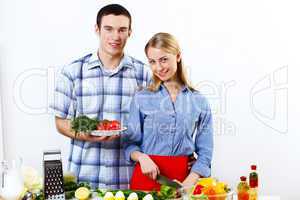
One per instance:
[(83, 191), (205, 189)]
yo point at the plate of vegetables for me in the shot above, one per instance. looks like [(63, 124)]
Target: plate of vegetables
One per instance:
[(108, 128), (95, 127), (211, 189)]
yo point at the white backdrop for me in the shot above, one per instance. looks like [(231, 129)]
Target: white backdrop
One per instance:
[(1, 133), (244, 55)]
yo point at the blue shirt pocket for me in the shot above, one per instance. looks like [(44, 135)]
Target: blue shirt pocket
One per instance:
[(148, 122)]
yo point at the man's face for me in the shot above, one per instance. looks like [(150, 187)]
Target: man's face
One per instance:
[(113, 34)]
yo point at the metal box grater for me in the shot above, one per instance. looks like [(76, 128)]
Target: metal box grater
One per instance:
[(53, 175)]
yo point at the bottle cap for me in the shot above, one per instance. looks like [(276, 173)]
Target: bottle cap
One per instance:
[(253, 167), (243, 178)]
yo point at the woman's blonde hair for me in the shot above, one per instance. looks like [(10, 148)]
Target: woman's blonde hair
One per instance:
[(169, 44)]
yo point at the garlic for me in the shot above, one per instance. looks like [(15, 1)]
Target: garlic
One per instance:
[(133, 196), (148, 197)]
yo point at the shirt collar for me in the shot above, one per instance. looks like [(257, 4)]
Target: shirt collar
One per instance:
[(186, 89), (94, 61), (183, 89)]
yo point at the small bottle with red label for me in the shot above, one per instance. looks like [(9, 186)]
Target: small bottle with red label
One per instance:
[(253, 177), (253, 182)]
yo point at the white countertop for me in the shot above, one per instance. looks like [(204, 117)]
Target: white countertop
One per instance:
[(263, 197)]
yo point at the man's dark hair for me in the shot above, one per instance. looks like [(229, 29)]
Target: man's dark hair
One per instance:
[(113, 9)]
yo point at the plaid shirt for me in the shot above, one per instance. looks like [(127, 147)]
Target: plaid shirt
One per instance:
[(85, 88)]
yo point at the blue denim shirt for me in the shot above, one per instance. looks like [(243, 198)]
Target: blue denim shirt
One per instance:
[(158, 126)]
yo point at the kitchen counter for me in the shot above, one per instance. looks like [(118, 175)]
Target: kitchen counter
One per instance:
[(235, 198), (264, 198)]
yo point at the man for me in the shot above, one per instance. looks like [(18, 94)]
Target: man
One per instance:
[(100, 85)]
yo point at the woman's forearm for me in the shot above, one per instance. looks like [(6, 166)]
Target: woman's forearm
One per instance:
[(136, 156), (191, 179)]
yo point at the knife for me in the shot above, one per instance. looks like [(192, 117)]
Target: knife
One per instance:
[(166, 181)]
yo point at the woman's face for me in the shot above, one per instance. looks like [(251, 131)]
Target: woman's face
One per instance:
[(163, 64)]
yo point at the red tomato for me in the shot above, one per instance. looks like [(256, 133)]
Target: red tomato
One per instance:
[(100, 126), (103, 125), (114, 125), (198, 189)]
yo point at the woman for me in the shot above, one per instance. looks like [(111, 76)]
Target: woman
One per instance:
[(168, 122)]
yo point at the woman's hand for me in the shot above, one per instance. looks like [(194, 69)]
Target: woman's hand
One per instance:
[(149, 168), (191, 180)]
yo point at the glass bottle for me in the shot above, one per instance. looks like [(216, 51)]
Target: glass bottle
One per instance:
[(243, 189), (253, 182)]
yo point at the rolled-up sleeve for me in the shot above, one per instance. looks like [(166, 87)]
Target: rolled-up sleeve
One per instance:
[(64, 102), (204, 142), (134, 135)]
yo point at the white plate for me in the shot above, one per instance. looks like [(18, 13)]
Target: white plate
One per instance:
[(107, 133)]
